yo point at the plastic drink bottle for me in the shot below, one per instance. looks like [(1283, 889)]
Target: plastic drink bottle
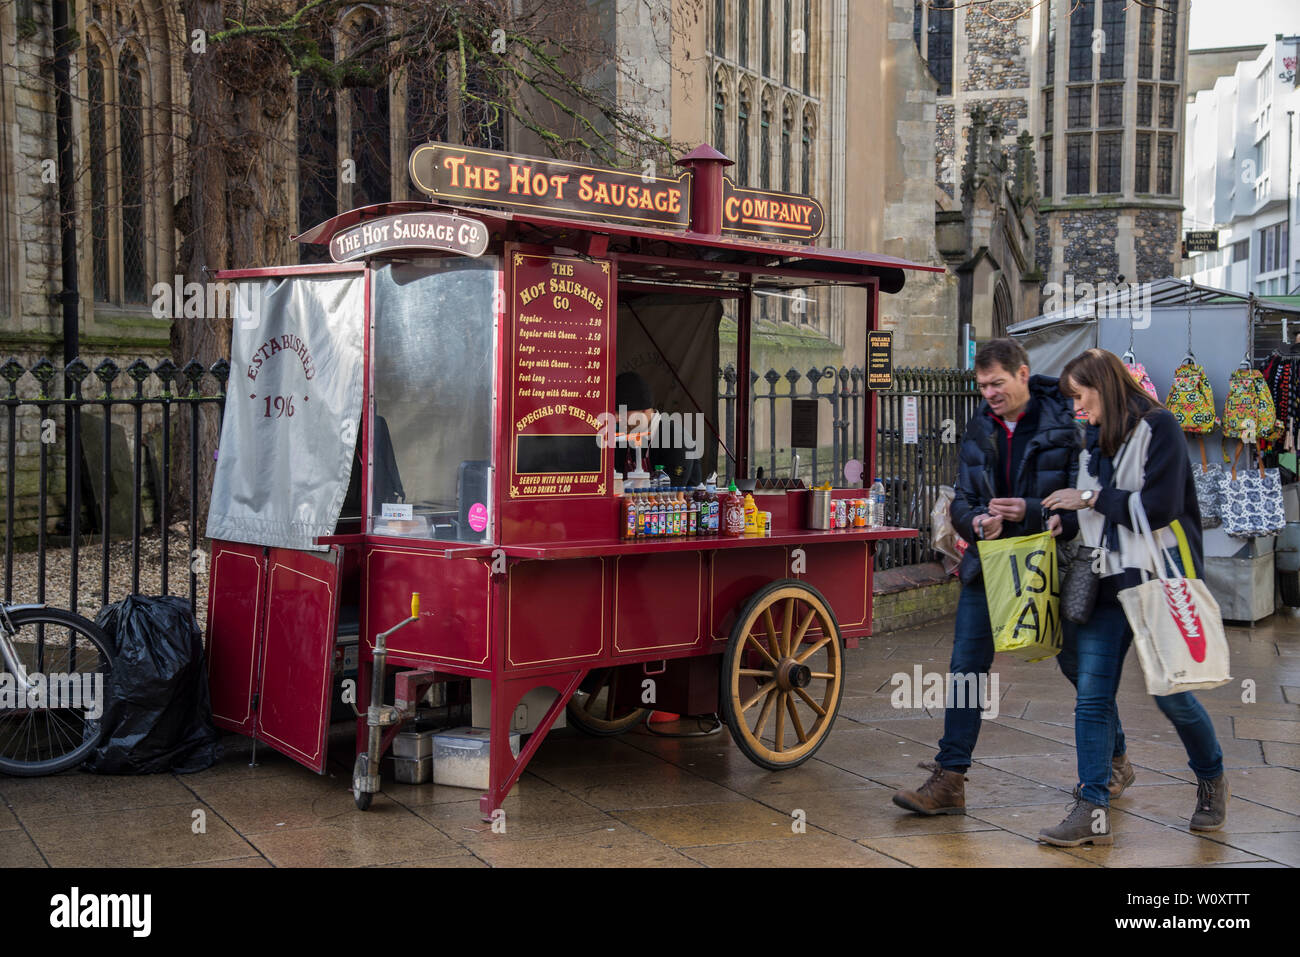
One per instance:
[(628, 513), (733, 512), (877, 503), (700, 506)]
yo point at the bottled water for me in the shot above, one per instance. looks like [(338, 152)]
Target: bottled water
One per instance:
[(876, 508)]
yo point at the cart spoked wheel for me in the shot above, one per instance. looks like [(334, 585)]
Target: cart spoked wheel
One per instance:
[(596, 709), (782, 675)]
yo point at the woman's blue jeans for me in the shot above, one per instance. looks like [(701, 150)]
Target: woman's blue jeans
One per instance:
[(1099, 649)]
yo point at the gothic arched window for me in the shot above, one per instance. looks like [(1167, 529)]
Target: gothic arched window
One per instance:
[(806, 161), (742, 138), (98, 158), (720, 112), (130, 104), (765, 143)]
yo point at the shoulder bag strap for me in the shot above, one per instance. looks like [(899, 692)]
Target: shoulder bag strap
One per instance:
[(1138, 516), (1184, 549)]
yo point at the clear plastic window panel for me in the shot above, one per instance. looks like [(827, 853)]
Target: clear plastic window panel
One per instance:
[(434, 368)]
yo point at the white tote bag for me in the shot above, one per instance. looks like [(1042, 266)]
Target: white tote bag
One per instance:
[(1176, 624)]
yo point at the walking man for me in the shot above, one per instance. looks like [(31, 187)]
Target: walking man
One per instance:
[(1021, 445)]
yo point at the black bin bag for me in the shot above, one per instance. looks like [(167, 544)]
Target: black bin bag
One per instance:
[(159, 714)]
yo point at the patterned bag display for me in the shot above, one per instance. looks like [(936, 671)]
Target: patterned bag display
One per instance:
[(1248, 413), (1253, 504), (1282, 373), (1210, 482), (1139, 373), (1191, 399)]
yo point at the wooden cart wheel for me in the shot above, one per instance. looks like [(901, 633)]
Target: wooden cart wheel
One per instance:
[(594, 707), (782, 675)]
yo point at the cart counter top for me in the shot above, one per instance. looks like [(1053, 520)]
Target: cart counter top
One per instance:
[(594, 548)]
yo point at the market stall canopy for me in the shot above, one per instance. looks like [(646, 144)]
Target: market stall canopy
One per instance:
[(1157, 312)]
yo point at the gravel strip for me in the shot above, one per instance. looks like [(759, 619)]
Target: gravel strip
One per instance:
[(58, 573)]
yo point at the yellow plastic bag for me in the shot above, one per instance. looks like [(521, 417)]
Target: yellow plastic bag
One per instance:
[(1023, 590)]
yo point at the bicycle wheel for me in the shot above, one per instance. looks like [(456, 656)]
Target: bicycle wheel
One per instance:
[(51, 712)]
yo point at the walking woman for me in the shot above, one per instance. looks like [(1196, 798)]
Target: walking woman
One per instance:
[(1133, 446)]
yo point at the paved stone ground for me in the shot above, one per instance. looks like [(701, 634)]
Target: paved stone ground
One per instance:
[(651, 801)]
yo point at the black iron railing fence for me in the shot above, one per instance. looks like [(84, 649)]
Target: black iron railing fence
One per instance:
[(47, 404), (918, 436), (917, 433)]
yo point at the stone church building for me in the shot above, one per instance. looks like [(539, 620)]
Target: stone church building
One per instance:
[(1096, 86)]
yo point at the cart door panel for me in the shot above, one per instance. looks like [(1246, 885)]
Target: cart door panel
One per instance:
[(556, 612), (839, 570), (658, 601), (236, 587), (296, 674), (734, 576)]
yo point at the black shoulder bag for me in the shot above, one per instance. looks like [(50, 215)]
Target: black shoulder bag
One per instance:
[(1079, 577)]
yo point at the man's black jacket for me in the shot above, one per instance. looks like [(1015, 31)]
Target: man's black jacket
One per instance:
[(1041, 456)]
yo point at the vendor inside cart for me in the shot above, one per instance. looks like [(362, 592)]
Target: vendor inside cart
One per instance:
[(678, 452)]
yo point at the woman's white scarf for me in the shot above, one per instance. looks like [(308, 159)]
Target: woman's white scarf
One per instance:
[(1130, 477)]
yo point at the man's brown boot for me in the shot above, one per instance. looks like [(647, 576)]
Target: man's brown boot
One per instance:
[(1121, 776), (943, 793)]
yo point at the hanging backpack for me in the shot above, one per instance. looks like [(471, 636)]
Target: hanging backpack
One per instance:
[(1191, 399), (1248, 413), (1139, 373)]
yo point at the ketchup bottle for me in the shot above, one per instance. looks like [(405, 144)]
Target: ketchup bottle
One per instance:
[(733, 512)]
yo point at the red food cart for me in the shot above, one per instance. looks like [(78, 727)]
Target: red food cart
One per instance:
[(425, 414)]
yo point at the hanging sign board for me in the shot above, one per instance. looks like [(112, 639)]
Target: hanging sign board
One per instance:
[(560, 374), (1202, 241), (803, 423), (764, 212), (460, 175), (444, 232), (880, 360), (909, 420)]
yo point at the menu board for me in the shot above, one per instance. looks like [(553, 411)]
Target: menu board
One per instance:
[(561, 358)]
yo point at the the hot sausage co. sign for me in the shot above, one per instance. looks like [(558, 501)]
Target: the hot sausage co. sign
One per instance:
[(462, 175), (445, 232)]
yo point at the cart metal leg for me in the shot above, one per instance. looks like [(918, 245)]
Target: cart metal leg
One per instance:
[(504, 767)]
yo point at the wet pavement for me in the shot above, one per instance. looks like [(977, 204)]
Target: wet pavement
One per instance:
[(644, 800)]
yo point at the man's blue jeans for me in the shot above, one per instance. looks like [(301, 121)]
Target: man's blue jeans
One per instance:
[(1100, 646), (972, 653)]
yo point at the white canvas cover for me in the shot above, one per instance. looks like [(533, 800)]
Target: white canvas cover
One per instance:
[(292, 411)]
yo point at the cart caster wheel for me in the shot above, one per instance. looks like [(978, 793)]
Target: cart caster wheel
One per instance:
[(593, 708), (784, 660), (360, 771)]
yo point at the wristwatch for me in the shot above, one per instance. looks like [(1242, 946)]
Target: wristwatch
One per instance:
[(1088, 495)]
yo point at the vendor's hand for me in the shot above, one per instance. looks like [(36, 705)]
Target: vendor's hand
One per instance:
[(1070, 498), (1008, 509), (989, 525), (1054, 525)]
